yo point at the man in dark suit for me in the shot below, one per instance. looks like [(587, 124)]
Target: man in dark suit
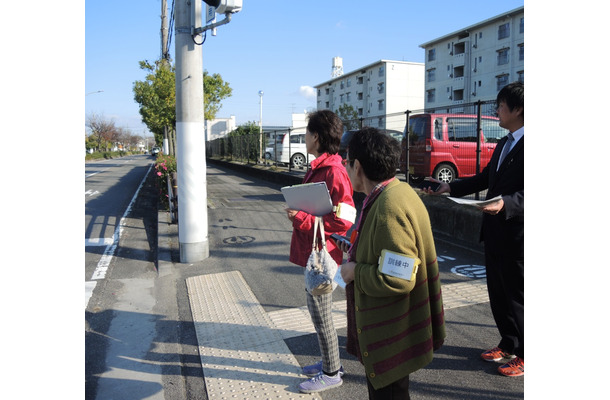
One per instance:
[(502, 230)]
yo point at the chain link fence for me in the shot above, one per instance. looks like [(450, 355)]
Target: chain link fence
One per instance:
[(456, 141)]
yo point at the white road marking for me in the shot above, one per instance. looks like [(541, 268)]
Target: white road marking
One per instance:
[(89, 286), (99, 241)]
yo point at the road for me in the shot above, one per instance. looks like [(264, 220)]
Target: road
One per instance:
[(120, 273)]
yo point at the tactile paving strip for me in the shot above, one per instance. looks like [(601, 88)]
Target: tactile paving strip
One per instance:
[(242, 356), (465, 293), (242, 347), (297, 321)]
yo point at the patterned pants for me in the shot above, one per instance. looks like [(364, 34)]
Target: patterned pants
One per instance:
[(320, 309)]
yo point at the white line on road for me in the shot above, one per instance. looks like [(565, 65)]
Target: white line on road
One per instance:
[(89, 286), (98, 241)]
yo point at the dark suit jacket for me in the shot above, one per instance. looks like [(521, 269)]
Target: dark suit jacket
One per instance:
[(504, 230)]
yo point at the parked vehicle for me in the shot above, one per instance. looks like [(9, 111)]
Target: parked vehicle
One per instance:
[(155, 150), (269, 153), (293, 151), (444, 146), (347, 136)]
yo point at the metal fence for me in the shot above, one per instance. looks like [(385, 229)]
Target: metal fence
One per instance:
[(469, 152)]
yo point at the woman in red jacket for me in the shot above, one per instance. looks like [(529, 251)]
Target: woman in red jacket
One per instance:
[(322, 138)]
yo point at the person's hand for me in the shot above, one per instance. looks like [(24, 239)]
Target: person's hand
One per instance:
[(290, 213), (443, 188), (493, 208), (343, 245), (347, 271)]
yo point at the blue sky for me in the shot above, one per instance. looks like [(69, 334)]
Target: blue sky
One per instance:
[(277, 46)]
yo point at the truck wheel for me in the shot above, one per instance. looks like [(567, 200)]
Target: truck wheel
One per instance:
[(298, 160)]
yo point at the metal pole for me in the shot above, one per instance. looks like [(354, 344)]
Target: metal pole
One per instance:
[(260, 123), (407, 147), (190, 154), (289, 152), (479, 134)]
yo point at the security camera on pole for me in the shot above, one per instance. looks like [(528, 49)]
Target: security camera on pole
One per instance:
[(190, 154)]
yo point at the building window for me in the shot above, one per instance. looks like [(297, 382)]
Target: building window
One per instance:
[(459, 48), (341, 98), (360, 112), (458, 95), (319, 93), (380, 105), (503, 56), (521, 26), (431, 54), (349, 82), (520, 76), (380, 87), (504, 31), (431, 74), (431, 95), (360, 96), (521, 52), (359, 80), (327, 91), (327, 105), (348, 97), (381, 71), (380, 122), (501, 81), (342, 84)]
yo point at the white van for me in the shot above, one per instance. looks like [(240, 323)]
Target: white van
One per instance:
[(293, 151)]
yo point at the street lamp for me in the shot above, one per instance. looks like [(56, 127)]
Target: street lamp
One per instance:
[(260, 123)]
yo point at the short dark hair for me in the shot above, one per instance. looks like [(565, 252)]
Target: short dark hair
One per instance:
[(512, 95), (377, 152), (329, 128)]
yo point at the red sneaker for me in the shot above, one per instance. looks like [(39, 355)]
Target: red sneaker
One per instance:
[(512, 368), (496, 354)]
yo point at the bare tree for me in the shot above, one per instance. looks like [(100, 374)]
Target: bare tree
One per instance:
[(102, 129)]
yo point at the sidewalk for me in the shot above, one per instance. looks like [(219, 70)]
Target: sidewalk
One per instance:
[(253, 328)]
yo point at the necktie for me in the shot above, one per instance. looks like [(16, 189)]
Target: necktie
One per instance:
[(506, 148)]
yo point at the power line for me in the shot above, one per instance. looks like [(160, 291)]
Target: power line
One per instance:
[(171, 27)]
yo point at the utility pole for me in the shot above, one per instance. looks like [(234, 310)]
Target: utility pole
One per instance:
[(165, 63), (164, 31), (190, 154)]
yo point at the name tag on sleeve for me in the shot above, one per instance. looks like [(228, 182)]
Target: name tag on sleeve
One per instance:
[(398, 265)]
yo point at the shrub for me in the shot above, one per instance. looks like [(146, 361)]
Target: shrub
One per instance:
[(164, 166)]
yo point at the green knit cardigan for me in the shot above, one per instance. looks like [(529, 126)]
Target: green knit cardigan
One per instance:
[(399, 323)]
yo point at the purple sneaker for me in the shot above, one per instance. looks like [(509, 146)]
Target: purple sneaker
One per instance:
[(320, 383), (315, 369)]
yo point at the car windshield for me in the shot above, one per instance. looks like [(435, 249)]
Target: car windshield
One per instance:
[(417, 129)]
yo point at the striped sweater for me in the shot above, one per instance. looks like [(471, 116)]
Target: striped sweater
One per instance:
[(398, 323)]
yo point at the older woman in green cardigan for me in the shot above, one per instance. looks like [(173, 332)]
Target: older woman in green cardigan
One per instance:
[(394, 304)]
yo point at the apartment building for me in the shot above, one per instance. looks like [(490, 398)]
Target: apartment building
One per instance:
[(218, 128), (375, 91), (474, 63)]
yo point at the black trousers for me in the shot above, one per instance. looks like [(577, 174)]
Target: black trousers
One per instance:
[(505, 288), (398, 390)]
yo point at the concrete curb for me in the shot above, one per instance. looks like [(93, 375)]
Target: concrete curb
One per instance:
[(167, 237)]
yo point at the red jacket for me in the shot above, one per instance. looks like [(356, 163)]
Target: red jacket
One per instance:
[(326, 168)]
